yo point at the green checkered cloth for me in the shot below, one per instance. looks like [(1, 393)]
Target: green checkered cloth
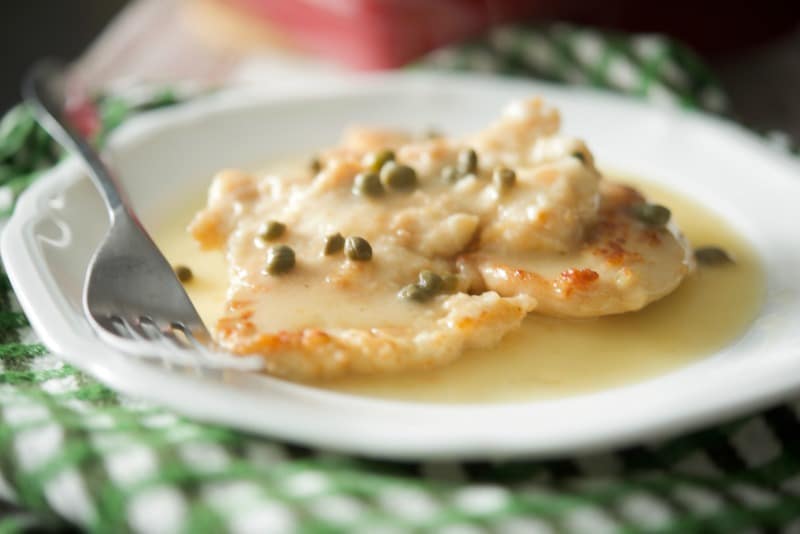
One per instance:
[(73, 452)]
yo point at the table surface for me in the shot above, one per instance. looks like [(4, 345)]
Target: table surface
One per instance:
[(764, 85)]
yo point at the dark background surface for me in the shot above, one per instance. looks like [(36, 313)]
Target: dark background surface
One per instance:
[(31, 29), (763, 82)]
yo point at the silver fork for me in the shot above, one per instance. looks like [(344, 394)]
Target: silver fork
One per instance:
[(131, 297)]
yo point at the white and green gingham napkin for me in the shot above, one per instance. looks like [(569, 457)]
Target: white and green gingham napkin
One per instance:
[(72, 452)]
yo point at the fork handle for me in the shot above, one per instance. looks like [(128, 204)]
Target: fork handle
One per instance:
[(43, 91)]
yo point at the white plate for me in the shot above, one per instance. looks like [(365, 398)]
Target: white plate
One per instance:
[(59, 220)]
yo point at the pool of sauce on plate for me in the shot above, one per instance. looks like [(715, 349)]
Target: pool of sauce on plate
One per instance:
[(549, 357)]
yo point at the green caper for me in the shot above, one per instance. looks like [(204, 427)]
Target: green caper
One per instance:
[(280, 259), (712, 256), (271, 230), (467, 161), (367, 184), (579, 155), (414, 292), (504, 178), (449, 174), (334, 243), (651, 214), (315, 165), (374, 161), (396, 177), (357, 249), (449, 283), (183, 273), (430, 281), (432, 133)]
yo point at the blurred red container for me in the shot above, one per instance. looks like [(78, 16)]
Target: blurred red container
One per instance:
[(389, 33), (374, 34)]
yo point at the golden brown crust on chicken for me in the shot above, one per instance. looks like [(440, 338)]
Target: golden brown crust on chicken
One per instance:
[(622, 266)]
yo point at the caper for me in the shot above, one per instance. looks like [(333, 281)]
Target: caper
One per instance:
[(449, 282), (504, 178), (280, 259), (430, 281), (432, 133), (449, 174), (183, 273), (651, 214), (467, 161), (712, 256), (357, 249), (414, 292), (315, 165), (271, 230), (374, 161), (428, 286), (333, 244), (398, 177), (579, 155), (367, 184)]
